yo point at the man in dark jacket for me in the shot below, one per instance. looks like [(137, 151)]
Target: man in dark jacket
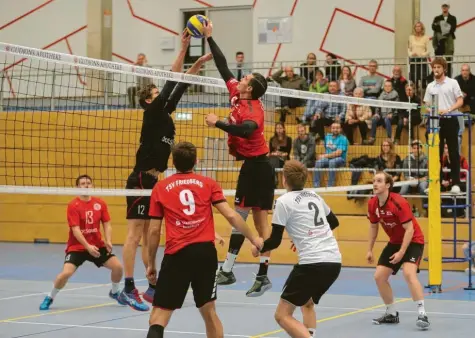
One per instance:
[(444, 27), (466, 82)]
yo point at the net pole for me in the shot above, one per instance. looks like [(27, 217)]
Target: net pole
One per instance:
[(435, 225)]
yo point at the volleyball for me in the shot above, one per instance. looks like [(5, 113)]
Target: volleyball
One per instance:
[(195, 25)]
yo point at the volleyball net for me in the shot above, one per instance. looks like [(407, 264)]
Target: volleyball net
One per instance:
[(64, 115)]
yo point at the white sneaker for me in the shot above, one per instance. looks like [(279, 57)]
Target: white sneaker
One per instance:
[(473, 270), (455, 189)]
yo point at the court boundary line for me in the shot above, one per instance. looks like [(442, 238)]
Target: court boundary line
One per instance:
[(347, 314), (63, 291), (122, 328)]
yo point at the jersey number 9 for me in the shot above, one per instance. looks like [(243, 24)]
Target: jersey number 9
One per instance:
[(188, 200)]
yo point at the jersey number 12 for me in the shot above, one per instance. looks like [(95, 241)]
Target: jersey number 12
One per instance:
[(318, 221)]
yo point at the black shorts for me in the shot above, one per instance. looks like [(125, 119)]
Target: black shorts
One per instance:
[(256, 183), (309, 281), (196, 264), (413, 255), (138, 206), (78, 257)]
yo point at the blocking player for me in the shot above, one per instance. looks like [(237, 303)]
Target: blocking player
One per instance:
[(309, 223), (405, 247), (157, 137), (85, 215), (185, 200), (246, 141)]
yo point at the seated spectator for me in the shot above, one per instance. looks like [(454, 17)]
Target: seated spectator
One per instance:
[(304, 147), (289, 81), (418, 51), (419, 165), (328, 112), (389, 160), (446, 184), (384, 116), (319, 85), (403, 115), (466, 82), (240, 70), (357, 116), (372, 83), (465, 249), (141, 81), (336, 148), (399, 83), (308, 69), (332, 68), (280, 146), (347, 82)]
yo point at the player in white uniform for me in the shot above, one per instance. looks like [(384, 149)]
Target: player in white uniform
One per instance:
[(309, 223)]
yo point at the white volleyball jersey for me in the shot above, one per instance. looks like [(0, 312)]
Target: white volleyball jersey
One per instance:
[(303, 213)]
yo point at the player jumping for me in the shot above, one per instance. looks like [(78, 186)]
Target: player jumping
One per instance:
[(405, 247), (185, 200), (246, 141), (157, 137), (309, 223), (85, 214)]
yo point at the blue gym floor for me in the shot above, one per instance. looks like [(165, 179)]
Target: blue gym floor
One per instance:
[(84, 309)]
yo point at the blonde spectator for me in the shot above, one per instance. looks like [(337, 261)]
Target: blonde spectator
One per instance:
[(418, 52), (347, 83), (388, 159), (308, 69), (357, 116), (384, 116)]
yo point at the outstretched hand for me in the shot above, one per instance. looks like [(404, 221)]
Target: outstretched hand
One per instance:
[(206, 58), (185, 39), (207, 29)]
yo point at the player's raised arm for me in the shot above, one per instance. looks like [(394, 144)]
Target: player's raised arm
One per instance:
[(218, 55)]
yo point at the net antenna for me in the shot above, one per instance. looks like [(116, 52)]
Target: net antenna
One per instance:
[(68, 116)]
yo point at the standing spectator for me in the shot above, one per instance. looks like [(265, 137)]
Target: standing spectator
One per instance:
[(319, 85), (336, 148), (444, 27), (399, 83), (289, 81), (328, 112), (304, 147), (241, 69), (384, 116), (418, 51), (466, 82), (372, 83), (308, 69), (142, 82), (280, 146), (332, 68), (450, 99), (357, 116), (347, 82), (418, 168), (416, 118)]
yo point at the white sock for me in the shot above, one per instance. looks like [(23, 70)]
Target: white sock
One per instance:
[(312, 332), (264, 259), (229, 262), (53, 292), (390, 309), (420, 307), (115, 287)]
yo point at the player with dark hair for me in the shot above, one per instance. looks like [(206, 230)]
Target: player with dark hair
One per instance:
[(405, 247), (185, 200), (85, 215), (156, 139), (309, 223), (246, 141)]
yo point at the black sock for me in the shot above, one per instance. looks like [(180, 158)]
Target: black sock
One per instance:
[(155, 331), (151, 286), (129, 284), (263, 268), (235, 243)]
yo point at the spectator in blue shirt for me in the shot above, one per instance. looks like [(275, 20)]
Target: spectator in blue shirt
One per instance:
[(336, 148)]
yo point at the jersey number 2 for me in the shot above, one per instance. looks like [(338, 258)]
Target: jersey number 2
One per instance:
[(317, 220), (187, 199)]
